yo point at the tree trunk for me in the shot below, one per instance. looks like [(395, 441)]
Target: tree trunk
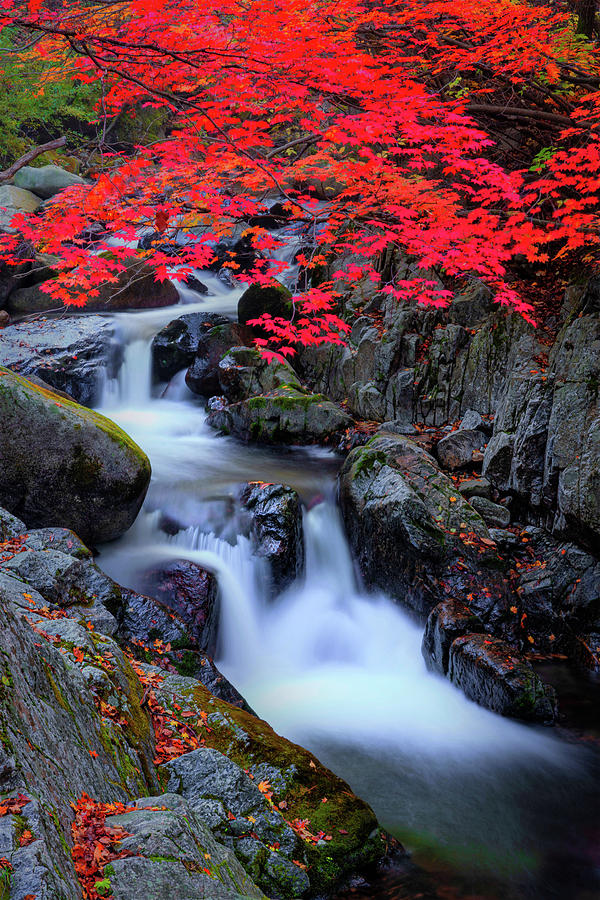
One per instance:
[(586, 21)]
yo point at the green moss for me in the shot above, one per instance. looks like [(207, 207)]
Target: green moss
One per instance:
[(60, 699), (85, 469), (366, 460)]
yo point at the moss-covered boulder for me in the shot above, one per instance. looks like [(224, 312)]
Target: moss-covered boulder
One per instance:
[(287, 414), (62, 464), (175, 346), (339, 831)]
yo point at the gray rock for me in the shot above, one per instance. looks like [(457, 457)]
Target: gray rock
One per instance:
[(174, 856), (175, 346), (63, 464), (217, 789), (15, 200), (244, 373), (284, 415), (506, 540), (493, 514), (455, 451), (493, 674), (73, 354), (475, 487), (46, 181), (10, 526), (471, 421)]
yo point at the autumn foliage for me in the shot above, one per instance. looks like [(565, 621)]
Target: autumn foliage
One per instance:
[(465, 137)]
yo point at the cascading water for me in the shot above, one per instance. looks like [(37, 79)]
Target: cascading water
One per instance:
[(328, 665)]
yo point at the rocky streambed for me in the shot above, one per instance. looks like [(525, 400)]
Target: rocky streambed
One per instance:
[(384, 550)]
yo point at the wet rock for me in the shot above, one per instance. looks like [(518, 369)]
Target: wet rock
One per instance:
[(285, 415), (558, 589), (191, 593), (275, 218), (475, 487), (63, 464), (446, 622), (506, 540), (46, 181), (173, 856), (203, 375), (61, 539), (135, 288), (256, 300), (239, 816), (143, 620), (493, 514), (234, 253), (456, 450), (10, 526), (174, 347), (244, 373), (295, 777), (414, 536), (276, 529), (73, 354), (194, 284), (493, 674)]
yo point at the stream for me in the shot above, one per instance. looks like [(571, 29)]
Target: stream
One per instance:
[(489, 808)]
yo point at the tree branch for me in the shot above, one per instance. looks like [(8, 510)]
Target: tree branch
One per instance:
[(28, 157)]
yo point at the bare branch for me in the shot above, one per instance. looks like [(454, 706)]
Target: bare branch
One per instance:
[(28, 157)]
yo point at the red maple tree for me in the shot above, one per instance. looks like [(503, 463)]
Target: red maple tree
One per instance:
[(463, 136)]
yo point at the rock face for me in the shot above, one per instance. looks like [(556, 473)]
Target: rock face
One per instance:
[(545, 446), (446, 622), (457, 450), (175, 346), (135, 288), (73, 354), (46, 181), (413, 533), (61, 463), (490, 672), (284, 415), (203, 375), (276, 529)]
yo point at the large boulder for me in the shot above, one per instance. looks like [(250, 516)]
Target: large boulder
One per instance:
[(203, 375), (175, 346), (134, 288), (414, 535), (63, 464), (493, 674), (284, 415), (72, 353), (459, 449), (46, 181)]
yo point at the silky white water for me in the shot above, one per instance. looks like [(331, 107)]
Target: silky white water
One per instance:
[(327, 664)]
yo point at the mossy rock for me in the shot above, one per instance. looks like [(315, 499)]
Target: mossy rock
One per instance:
[(288, 414), (62, 464), (296, 777), (256, 300)]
